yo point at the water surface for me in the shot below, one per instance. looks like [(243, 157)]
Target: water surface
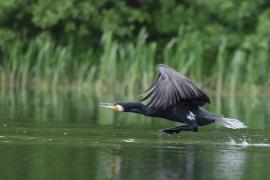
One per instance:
[(64, 135)]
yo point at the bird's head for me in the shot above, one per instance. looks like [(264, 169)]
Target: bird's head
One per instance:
[(113, 106)]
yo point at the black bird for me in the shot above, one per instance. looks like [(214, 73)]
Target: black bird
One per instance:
[(175, 97)]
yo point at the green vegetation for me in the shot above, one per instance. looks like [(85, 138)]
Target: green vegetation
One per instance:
[(95, 45)]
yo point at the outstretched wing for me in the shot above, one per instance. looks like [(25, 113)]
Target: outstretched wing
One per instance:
[(172, 88)]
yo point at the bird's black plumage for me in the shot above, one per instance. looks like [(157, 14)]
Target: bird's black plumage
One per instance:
[(172, 88), (176, 98)]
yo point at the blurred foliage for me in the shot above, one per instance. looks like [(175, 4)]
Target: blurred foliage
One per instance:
[(192, 33), (83, 18)]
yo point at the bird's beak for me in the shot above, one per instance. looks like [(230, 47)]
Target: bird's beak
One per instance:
[(113, 106)]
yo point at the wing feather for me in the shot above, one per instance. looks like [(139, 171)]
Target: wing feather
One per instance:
[(171, 88)]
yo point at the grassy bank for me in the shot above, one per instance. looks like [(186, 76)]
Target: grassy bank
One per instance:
[(131, 66)]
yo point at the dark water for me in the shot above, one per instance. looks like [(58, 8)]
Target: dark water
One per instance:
[(64, 135)]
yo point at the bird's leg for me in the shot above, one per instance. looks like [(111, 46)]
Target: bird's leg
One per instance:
[(172, 130), (178, 129)]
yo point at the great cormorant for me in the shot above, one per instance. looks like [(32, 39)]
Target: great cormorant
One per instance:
[(175, 97)]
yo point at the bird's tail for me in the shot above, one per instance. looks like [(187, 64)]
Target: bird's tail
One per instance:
[(230, 123)]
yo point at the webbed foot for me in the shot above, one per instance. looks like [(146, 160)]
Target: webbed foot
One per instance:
[(178, 129), (175, 130)]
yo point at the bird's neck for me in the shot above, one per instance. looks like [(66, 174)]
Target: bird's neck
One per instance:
[(135, 107)]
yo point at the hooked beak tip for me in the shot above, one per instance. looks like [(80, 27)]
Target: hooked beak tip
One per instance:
[(106, 105)]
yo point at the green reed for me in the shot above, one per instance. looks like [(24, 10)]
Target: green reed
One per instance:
[(129, 66)]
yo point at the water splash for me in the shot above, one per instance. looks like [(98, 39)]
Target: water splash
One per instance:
[(244, 143)]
